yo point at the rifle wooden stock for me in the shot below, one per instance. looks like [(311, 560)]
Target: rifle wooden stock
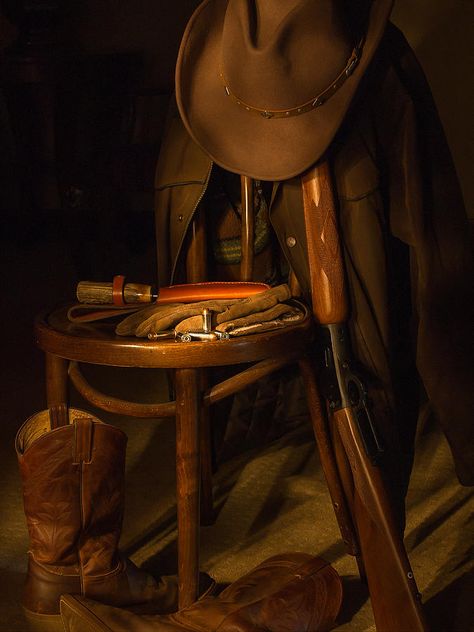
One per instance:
[(394, 595)]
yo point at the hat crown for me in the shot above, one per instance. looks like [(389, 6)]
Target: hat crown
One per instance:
[(291, 69), (277, 54)]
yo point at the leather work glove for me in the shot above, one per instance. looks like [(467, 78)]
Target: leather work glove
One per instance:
[(276, 316), (259, 312)]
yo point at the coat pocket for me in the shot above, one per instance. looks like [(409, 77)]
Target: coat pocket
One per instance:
[(181, 161)]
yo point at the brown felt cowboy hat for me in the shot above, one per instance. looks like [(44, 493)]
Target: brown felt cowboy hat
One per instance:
[(263, 85)]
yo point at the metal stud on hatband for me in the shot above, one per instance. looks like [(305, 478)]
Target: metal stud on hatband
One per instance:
[(352, 65)]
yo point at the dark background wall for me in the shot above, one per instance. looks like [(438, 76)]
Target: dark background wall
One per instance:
[(440, 31)]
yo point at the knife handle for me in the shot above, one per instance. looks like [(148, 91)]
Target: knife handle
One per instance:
[(116, 293)]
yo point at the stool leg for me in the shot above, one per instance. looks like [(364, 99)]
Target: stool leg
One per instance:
[(187, 482), (56, 380), (328, 459), (207, 500)]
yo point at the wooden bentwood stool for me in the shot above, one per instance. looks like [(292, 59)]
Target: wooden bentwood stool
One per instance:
[(67, 344)]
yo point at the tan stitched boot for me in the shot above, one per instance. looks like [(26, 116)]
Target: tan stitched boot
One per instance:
[(73, 491), (286, 593)]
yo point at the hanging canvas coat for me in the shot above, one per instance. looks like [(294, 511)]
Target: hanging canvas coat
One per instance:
[(407, 250)]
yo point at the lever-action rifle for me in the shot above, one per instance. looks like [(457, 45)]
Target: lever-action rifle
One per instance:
[(352, 436)]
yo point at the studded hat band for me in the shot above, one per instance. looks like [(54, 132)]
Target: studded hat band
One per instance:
[(313, 103)]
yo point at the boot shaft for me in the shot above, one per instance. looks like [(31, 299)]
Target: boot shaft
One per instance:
[(73, 490)]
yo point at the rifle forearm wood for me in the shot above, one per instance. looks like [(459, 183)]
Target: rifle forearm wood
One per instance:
[(324, 247)]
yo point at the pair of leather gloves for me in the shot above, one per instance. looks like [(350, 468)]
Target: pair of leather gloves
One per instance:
[(257, 313)]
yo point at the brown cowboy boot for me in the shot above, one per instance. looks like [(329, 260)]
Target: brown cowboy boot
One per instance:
[(286, 593), (73, 492)]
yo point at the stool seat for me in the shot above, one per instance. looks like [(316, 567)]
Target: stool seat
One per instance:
[(97, 343)]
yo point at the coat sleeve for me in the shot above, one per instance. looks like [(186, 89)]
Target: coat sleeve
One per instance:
[(427, 213), (181, 175)]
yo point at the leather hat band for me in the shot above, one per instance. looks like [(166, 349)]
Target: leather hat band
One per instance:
[(313, 103)]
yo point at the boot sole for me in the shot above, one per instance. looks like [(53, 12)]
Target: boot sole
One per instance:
[(84, 619)]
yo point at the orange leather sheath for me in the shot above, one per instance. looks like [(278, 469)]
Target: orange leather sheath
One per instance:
[(192, 292)]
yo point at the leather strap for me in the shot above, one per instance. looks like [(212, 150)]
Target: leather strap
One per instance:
[(58, 416), (117, 289), (82, 448), (84, 313)]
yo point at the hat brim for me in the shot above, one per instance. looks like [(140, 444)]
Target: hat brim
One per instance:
[(241, 141)]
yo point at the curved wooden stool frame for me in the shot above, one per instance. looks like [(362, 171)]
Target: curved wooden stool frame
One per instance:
[(361, 504), (66, 345)]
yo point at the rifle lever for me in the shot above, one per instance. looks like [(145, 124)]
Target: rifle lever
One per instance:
[(344, 388)]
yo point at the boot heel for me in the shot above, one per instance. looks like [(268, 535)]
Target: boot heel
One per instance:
[(43, 589)]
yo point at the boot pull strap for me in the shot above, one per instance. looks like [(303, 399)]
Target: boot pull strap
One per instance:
[(82, 447), (58, 415)]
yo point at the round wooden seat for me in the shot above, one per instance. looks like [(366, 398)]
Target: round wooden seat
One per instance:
[(97, 343)]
